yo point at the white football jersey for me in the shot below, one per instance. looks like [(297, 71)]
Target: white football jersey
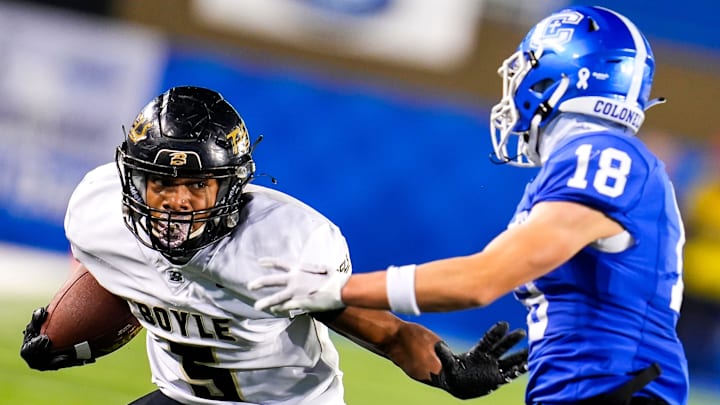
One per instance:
[(206, 343)]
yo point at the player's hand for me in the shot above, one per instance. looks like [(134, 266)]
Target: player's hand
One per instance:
[(36, 350), (483, 368), (305, 287)]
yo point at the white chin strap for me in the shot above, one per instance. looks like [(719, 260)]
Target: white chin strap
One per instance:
[(531, 148)]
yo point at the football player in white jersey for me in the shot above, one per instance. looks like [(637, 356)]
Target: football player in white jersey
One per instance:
[(180, 233), (594, 250)]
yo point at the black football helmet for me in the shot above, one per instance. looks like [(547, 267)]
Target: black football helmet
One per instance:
[(186, 132)]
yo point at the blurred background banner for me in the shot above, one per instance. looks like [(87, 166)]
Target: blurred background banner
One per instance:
[(374, 112), (68, 84), (428, 33)]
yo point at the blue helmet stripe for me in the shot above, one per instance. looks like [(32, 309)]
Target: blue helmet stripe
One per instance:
[(641, 54)]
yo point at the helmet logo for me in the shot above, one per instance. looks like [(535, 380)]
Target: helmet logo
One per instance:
[(554, 31), (178, 159), (583, 76), (187, 159), (239, 140), (139, 129)]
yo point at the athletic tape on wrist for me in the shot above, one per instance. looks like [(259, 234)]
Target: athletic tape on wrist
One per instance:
[(401, 289)]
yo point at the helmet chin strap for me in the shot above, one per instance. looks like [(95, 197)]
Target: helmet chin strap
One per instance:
[(194, 234), (532, 146), (654, 102)]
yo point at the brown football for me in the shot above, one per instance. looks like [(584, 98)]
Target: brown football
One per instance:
[(85, 316)]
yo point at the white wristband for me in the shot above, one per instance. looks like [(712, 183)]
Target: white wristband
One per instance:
[(401, 289)]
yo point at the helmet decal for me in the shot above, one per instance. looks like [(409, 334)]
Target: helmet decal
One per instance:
[(179, 158), (187, 159), (556, 30), (139, 129), (583, 76), (239, 139)]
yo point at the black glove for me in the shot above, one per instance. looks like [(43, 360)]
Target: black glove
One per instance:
[(483, 368), (36, 348)]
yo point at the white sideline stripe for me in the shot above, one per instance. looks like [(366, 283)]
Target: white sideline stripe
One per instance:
[(27, 272)]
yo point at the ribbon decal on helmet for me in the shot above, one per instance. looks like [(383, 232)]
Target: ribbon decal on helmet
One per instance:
[(583, 76)]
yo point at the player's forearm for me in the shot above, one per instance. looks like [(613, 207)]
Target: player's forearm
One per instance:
[(515, 257), (453, 284), (410, 346), (443, 285), (436, 286), (369, 328), (412, 349), (366, 290)]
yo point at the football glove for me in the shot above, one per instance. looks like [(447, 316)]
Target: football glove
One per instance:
[(483, 368), (304, 287), (36, 348)]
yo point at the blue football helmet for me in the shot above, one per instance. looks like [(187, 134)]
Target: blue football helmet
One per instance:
[(587, 60)]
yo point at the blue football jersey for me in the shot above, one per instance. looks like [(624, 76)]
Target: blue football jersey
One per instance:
[(612, 309)]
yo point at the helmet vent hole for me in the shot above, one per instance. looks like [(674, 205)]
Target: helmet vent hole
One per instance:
[(594, 26), (542, 85)]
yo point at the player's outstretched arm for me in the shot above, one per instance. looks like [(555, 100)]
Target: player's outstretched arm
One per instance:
[(425, 357), (36, 347)]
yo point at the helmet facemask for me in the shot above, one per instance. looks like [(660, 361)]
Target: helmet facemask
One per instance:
[(505, 117), (176, 234)]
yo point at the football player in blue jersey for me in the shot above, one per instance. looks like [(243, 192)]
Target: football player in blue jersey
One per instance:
[(594, 250)]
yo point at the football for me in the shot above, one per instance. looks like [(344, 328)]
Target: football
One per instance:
[(87, 318)]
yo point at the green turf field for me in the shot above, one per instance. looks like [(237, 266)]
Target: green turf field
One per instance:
[(124, 376)]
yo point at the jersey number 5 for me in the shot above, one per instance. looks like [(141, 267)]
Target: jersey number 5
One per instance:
[(206, 382), (611, 175)]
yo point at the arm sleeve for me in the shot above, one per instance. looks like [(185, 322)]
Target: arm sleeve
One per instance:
[(327, 247)]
